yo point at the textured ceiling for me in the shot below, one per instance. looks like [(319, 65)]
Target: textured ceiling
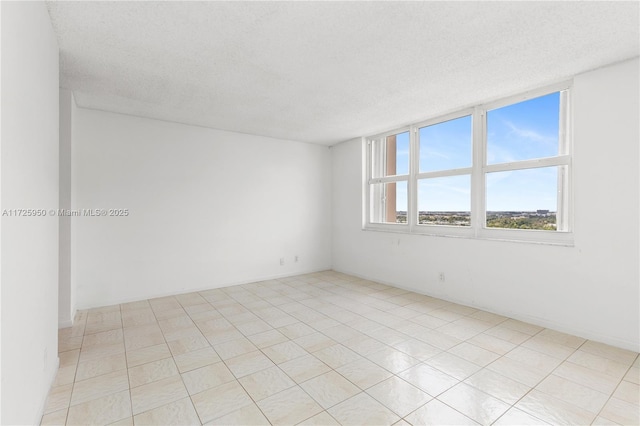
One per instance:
[(325, 72)]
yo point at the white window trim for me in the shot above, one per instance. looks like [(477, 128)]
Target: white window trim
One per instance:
[(477, 172), (368, 147)]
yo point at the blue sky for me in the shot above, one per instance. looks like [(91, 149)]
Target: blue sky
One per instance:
[(516, 132)]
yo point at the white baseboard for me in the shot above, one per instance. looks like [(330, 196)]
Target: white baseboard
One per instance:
[(227, 284), (65, 323), (542, 322)]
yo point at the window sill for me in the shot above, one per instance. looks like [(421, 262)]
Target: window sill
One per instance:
[(564, 239)]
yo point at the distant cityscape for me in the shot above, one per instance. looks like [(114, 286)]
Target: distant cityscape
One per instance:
[(539, 219)]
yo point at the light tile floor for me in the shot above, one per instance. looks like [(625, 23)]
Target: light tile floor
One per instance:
[(328, 348)]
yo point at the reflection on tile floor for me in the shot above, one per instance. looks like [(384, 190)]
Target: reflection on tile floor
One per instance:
[(329, 348)]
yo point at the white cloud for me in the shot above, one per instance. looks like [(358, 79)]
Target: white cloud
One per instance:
[(424, 153), (530, 134)]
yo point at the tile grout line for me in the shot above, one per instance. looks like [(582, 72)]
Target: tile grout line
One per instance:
[(126, 364), (320, 296), (395, 375), (276, 365), (615, 389), (361, 391), (298, 385), (226, 366)]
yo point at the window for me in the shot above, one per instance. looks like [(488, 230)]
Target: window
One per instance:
[(389, 178), (444, 172), (500, 170)]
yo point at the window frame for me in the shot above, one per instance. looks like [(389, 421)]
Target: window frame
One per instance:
[(446, 230), (478, 172), (368, 147)]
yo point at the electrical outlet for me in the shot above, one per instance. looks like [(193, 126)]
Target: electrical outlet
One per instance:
[(282, 261), (441, 276), (295, 259)]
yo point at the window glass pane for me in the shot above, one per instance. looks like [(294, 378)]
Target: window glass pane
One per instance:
[(390, 155), (524, 130), (445, 201), (402, 154), (523, 199), (446, 145), (389, 202)]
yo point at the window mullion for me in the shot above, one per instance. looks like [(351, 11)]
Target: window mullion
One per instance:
[(445, 173), (561, 160), (564, 173), (479, 143), (389, 179), (412, 189), (373, 209)]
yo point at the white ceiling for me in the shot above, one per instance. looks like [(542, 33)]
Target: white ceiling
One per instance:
[(325, 72)]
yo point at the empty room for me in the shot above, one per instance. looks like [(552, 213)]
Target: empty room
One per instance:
[(320, 213)]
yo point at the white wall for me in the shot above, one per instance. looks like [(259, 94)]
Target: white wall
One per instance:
[(29, 169), (66, 295), (208, 208), (591, 289)]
